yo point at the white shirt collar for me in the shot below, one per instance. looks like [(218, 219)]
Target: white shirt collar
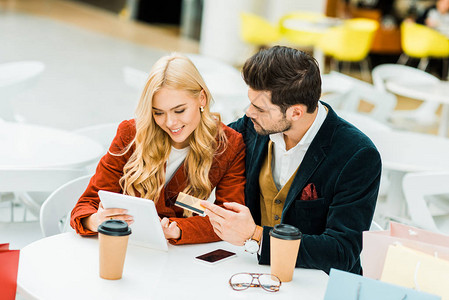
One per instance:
[(278, 138)]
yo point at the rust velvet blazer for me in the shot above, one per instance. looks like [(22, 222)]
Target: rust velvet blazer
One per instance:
[(227, 175)]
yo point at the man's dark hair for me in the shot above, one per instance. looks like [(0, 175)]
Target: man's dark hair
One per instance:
[(292, 77)]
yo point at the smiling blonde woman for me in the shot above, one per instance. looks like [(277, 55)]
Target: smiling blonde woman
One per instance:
[(174, 144)]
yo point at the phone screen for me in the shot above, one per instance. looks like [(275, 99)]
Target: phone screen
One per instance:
[(215, 256)]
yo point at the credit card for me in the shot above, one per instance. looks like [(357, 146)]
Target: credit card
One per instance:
[(190, 203)]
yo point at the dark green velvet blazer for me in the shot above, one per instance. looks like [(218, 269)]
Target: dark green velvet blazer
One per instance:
[(345, 167)]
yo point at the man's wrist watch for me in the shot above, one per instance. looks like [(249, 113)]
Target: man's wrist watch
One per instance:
[(252, 244)]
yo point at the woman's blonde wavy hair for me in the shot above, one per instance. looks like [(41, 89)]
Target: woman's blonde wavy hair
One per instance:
[(145, 170)]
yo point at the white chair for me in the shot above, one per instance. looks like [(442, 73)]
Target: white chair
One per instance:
[(101, 133), (425, 211), (55, 211), (347, 93), (425, 115), (16, 77), (23, 182)]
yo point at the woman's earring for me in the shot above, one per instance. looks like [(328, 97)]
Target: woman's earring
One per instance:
[(201, 108)]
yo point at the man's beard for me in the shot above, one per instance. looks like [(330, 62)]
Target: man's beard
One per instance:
[(281, 126)]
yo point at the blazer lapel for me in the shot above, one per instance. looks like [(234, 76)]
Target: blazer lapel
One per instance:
[(314, 157), (253, 166)]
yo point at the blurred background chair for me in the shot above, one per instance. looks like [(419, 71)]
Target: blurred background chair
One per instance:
[(421, 118), (101, 133), (346, 93), (55, 211), (425, 211), (421, 42), (350, 42), (29, 184), (16, 77), (257, 31), (308, 32)]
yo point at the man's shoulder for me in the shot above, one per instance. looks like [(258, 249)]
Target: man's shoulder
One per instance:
[(343, 134)]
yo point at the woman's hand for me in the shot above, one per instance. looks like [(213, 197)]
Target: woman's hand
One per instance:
[(93, 221), (171, 230)]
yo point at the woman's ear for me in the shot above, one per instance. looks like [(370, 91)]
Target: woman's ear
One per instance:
[(203, 98)]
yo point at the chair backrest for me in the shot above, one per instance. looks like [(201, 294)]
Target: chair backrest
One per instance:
[(299, 37), (352, 91), (382, 73), (418, 185), (101, 133), (36, 180), (55, 210), (385, 72), (350, 41), (421, 41), (257, 31)]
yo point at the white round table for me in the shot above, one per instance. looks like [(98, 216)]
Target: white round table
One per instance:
[(65, 266), (32, 146), (403, 152)]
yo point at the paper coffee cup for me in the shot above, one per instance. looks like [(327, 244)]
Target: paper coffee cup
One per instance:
[(113, 239), (284, 246)]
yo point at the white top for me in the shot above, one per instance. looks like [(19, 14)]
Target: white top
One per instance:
[(284, 162), (33, 146), (66, 266), (175, 159)]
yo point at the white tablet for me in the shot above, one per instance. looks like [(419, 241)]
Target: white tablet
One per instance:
[(146, 229)]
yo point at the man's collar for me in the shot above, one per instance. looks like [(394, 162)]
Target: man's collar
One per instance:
[(278, 138)]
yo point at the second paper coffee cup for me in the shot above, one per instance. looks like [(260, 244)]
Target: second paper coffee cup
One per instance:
[(284, 240), (113, 238)]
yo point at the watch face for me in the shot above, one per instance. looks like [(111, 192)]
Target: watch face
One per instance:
[(251, 246)]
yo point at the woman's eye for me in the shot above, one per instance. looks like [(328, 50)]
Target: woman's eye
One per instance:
[(158, 113), (179, 111)]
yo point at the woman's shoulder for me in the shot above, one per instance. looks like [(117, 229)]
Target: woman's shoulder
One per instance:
[(127, 130), (233, 137)]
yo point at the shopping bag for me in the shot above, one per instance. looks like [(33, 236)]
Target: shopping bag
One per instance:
[(418, 270), (375, 245), (348, 286), (9, 265)]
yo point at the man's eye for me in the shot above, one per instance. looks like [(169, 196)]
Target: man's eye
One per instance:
[(179, 111)]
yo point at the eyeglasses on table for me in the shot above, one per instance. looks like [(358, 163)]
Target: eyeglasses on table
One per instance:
[(243, 281)]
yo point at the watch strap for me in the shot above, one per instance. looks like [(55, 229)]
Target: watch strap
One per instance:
[(257, 235)]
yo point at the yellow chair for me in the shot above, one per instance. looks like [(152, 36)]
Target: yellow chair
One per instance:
[(422, 42), (257, 31), (298, 37), (350, 42)]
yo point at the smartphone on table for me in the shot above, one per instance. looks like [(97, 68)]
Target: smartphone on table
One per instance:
[(215, 256)]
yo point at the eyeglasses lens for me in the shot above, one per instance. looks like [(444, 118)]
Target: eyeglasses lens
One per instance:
[(241, 281), (269, 282)]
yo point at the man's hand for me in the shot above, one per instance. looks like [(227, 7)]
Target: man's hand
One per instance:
[(233, 224)]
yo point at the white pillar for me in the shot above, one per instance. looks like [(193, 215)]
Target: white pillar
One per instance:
[(220, 29)]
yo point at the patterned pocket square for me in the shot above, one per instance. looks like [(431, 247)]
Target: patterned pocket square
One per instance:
[(309, 193)]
